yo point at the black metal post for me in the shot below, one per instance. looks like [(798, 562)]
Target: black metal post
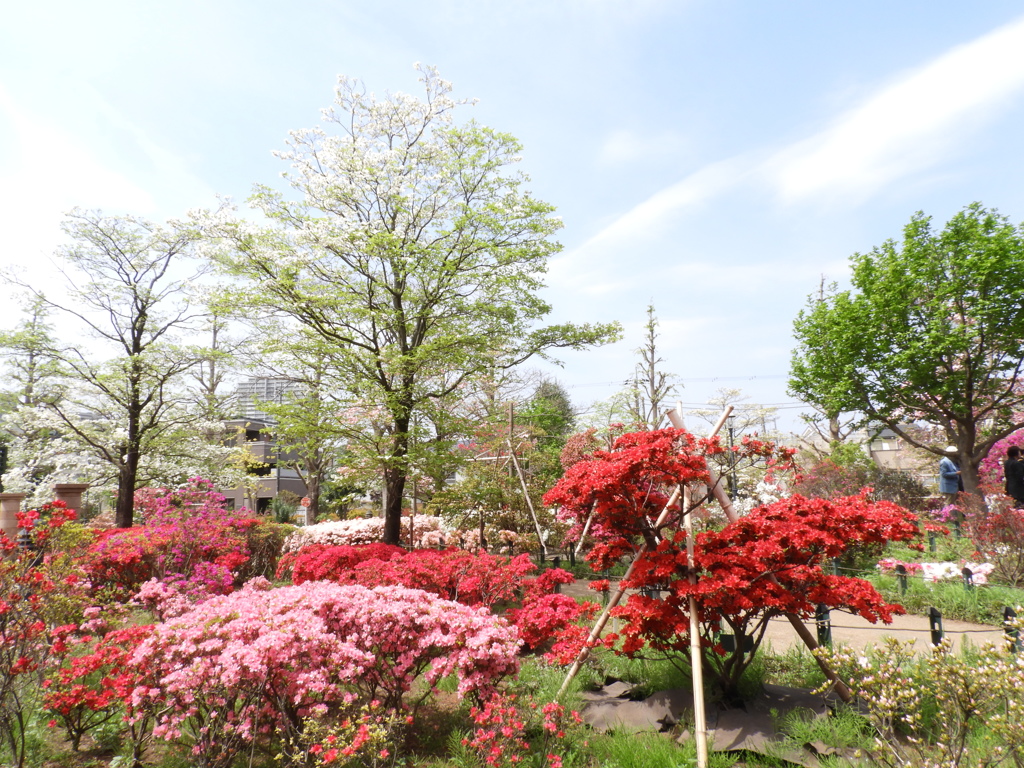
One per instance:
[(824, 624), (1012, 633), (935, 624), (901, 577)]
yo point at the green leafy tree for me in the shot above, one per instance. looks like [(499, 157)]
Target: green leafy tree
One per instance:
[(931, 331), (412, 251), (27, 352)]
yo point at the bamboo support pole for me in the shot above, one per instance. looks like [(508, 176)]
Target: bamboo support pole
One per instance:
[(595, 633), (700, 721), (586, 529), (529, 502)]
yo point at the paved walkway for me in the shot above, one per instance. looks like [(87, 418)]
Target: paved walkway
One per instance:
[(852, 630)]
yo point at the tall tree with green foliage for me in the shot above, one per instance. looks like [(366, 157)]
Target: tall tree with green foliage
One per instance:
[(931, 331), (411, 249)]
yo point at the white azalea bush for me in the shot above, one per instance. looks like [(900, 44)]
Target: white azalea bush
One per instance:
[(423, 530)]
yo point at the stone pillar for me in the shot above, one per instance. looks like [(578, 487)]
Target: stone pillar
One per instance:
[(10, 505), (71, 494)]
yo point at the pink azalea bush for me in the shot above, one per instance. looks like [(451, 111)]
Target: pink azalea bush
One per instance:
[(260, 661)]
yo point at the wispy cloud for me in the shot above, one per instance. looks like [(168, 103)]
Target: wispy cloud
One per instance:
[(629, 231), (908, 125), (905, 127)]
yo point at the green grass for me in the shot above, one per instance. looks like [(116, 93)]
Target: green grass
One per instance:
[(982, 605), (793, 667), (650, 675), (649, 750)]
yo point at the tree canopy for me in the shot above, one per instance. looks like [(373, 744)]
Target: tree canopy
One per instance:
[(932, 331), (411, 250)]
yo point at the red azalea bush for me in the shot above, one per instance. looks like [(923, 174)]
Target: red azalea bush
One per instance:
[(453, 574), (87, 689), (39, 589), (626, 488), (504, 727), (552, 622), (259, 661), (323, 562), (765, 564), (791, 540)]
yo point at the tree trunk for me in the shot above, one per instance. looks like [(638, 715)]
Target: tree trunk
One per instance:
[(394, 481), (313, 492), (395, 474), (970, 475), (124, 511)]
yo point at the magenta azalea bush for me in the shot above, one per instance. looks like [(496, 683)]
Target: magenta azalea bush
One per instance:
[(187, 536), (260, 661)]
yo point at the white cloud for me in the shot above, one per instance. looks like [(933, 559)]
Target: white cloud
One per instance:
[(629, 232), (908, 125)]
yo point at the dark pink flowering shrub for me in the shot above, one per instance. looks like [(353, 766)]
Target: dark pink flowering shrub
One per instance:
[(260, 661), (188, 535)]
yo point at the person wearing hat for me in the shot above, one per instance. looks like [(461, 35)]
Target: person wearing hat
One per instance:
[(949, 475)]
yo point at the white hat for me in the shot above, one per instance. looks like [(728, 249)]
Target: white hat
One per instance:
[(951, 449)]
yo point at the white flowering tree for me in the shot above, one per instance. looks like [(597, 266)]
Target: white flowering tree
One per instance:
[(410, 248), (43, 451), (128, 291)]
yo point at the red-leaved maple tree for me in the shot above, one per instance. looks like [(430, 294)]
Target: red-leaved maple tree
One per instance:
[(765, 564)]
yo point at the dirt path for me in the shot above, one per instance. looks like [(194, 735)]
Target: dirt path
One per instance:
[(854, 631)]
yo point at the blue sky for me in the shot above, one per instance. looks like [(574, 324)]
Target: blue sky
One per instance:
[(712, 158)]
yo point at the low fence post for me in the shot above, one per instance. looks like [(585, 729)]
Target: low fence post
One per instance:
[(901, 578), (968, 575), (1012, 633), (824, 624), (935, 624)]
